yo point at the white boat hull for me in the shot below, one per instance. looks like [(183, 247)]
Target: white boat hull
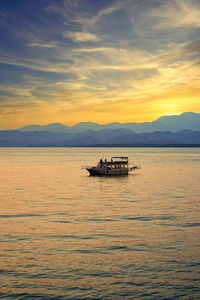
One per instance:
[(116, 166), (106, 171)]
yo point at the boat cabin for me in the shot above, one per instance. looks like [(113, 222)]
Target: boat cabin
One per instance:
[(118, 165)]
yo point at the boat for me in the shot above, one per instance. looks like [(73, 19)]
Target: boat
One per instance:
[(118, 165)]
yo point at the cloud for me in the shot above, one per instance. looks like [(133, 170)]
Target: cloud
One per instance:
[(186, 14), (81, 36), (175, 53), (93, 49), (192, 48), (43, 45), (36, 64), (174, 14), (16, 91), (92, 21)]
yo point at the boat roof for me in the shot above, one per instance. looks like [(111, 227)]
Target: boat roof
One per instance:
[(121, 157)]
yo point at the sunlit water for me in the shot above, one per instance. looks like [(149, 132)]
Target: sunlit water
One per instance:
[(66, 235)]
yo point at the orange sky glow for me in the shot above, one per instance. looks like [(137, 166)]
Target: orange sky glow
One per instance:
[(103, 62)]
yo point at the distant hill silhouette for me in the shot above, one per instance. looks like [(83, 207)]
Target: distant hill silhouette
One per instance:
[(105, 137), (188, 120), (183, 130)]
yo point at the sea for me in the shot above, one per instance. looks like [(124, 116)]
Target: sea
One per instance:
[(67, 235)]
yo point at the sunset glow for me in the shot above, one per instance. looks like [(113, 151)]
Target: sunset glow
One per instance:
[(99, 61)]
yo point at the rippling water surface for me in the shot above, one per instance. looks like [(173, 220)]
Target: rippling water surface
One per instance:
[(66, 235)]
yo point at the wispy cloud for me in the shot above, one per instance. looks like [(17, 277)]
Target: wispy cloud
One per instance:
[(81, 36), (38, 64), (16, 91), (177, 14), (91, 21), (43, 45)]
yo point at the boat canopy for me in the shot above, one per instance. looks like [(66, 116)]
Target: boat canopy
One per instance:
[(120, 157), (119, 160)]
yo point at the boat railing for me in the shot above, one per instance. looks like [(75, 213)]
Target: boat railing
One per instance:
[(113, 165)]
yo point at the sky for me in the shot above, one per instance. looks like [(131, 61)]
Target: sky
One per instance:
[(102, 61)]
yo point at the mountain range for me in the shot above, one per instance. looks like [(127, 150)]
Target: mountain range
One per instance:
[(182, 130), (188, 120)]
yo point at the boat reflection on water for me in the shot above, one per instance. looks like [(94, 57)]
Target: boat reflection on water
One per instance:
[(118, 165)]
